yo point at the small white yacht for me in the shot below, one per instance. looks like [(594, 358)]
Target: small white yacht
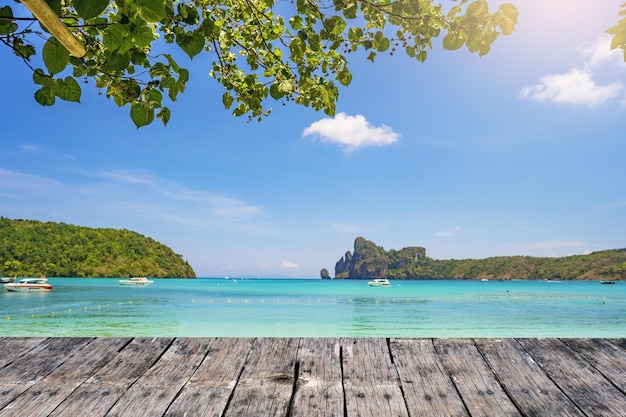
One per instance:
[(136, 281), (379, 282)]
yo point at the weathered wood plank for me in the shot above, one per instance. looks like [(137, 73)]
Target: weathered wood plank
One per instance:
[(368, 377), (100, 392), (582, 383), (525, 382), (266, 384), (154, 391), (608, 358), (319, 391), (12, 348), (208, 390), (371, 382), (43, 397), (475, 382), (32, 367), (427, 387)]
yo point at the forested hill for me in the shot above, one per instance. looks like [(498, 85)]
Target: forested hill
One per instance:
[(33, 248), (371, 261)]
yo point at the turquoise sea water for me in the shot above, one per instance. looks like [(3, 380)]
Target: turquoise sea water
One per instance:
[(317, 308)]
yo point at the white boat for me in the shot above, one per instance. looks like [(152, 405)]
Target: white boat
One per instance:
[(136, 281), (6, 280), (379, 282), (29, 285)]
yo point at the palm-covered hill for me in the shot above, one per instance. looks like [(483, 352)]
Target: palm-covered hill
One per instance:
[(31, 248), (371, 261)]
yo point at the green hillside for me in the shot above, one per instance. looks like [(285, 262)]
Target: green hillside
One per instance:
[(32, 248), (371, 261)]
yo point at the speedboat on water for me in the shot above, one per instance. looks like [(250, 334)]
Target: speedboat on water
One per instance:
[(6, 280), (379, 282), (29, 285), (137, 281)]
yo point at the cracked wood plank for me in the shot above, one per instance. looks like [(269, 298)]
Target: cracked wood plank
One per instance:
[(32, 367), (474, 380), (96, 396), (371, 382), (43, 397), (427, 386), (208, 390), (154, 391), (523, 379), (266, 385), (581, 382), (319, 391)]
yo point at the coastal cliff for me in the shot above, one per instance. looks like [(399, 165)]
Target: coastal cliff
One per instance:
[(371, 261)]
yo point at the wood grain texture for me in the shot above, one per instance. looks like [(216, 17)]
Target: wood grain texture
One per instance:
[(291, 377)]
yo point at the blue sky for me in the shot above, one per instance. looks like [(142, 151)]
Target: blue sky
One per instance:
[(520, 152)]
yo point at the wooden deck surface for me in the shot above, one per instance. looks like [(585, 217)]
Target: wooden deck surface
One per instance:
[(312, 377)]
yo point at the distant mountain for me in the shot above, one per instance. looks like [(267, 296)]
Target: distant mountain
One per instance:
[(371, 261), (32, 248)]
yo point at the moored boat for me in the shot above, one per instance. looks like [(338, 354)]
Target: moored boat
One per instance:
[(379, 282), (29, 285), (6, 280), (607, 282), (136, 281)]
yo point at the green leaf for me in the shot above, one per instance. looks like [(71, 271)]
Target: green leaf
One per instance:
[(335, 24), (141, 114), (227, 99), (295, 22), (618, 40), (275, 92), (382, 45), (344, 77), (40, 77), (88, 9), (142, 36), (45, 95), (151, 10), (116, 61), (68, 89), (55, 56), (453, 41), (154, 98), (296, 47), (7, 26), (55, 5), (116, 36), (164, 115), (191, 42), (510, 11), (477, 8)]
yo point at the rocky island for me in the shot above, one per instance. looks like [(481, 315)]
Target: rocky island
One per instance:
[(369, 261)]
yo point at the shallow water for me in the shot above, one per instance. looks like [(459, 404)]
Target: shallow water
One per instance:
[(317, 308)]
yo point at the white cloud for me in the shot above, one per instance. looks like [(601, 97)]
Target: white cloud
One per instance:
[(574, 87), (289, 265), (554, 245), (444, 234), (349, 228), (221, 206), (579, 85), (31, 148), (599, 52), (352, 132)]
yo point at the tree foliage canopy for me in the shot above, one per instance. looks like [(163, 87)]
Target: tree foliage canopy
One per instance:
[(619, 32), (288, 51), (33, 248)]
